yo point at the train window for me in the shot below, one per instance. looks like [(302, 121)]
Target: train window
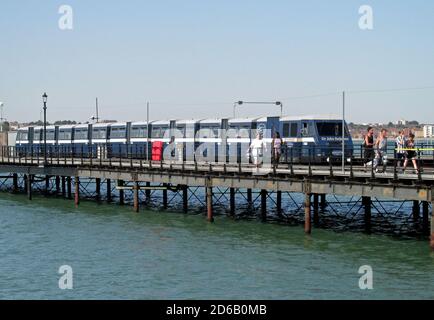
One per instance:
[(23, 135), (285, 131), (65, 135), (119, 132), (181, 131), (305, 129), (99, 133), (294, 130), (158, 132), (80, 134), (51, 135), (329, 129), (37, 136), (139, 132)]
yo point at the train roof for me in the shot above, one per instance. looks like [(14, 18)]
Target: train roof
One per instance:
[(141, 123), (83, 125), (102, 125), (161, 122), (118, 124), (243, 120), (191, 121), (311, 117), (69, 126), (209, 121)]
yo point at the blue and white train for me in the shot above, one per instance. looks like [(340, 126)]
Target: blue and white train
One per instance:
[(306, 138)]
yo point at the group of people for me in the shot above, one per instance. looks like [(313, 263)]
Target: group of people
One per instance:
[(258, 147), (376, 149)]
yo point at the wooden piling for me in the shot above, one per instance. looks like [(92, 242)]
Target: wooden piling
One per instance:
[(185, 198), (47, 185), (109, 190), (69, 187), (25, 178), (279, 202), (425, 217), (15, 182), (316, 209), (432, 225), (249, 198), (232, 202), (98, 189), (165, 198), (264, 205), (148, 193), (63, 186), (367, 204), (210, 213), (29, 186), (57, 185), (77, 191), (136, 189), (416, 210), (307, 214), (121, 192)]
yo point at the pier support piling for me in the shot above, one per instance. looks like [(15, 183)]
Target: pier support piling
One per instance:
[(185, 199), (136, 196), (98, 189), (165, 199), (249, 198), (367, 204), (432, 225), (232, 202), (316, 209), (121, 192), (69, 187), (63, 186), (416, 210), (25, 183), (77, 191), (425, 217), (47, 185), (57, 185), (15, 182), (279, 202), (109, 190), (210, 213), (29, 186), (148, 193), (264, 205), (307, 214)]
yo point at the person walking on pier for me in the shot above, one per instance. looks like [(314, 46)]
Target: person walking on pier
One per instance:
[(400, 145), (257, 149), (411, 153), (381, 150), (368, 145), (277, 143)]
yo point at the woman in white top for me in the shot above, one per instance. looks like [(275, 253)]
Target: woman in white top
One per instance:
[(257, 148)]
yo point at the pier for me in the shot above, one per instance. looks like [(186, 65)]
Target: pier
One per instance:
[(207, 184)]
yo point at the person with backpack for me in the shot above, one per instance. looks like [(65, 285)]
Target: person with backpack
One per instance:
[(368, 146)]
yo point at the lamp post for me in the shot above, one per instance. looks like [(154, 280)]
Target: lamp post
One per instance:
[(1, 115), (276, 103), (44, 99)]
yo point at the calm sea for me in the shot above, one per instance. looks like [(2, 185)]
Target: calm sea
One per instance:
[(116, 254)]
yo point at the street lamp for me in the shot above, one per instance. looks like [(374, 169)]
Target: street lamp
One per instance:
[(276, 103), (44, 99)]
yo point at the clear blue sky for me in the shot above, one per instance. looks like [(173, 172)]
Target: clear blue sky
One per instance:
[(193, 58)]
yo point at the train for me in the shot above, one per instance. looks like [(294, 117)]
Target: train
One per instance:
[(306, 138)]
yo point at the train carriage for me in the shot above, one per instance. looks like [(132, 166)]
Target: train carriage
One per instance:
[(81, 143), (140, 139), (118, 141), (211, 139), (239, 136), (64, 140)]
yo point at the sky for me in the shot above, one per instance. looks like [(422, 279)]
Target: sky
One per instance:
[(194, 59)]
